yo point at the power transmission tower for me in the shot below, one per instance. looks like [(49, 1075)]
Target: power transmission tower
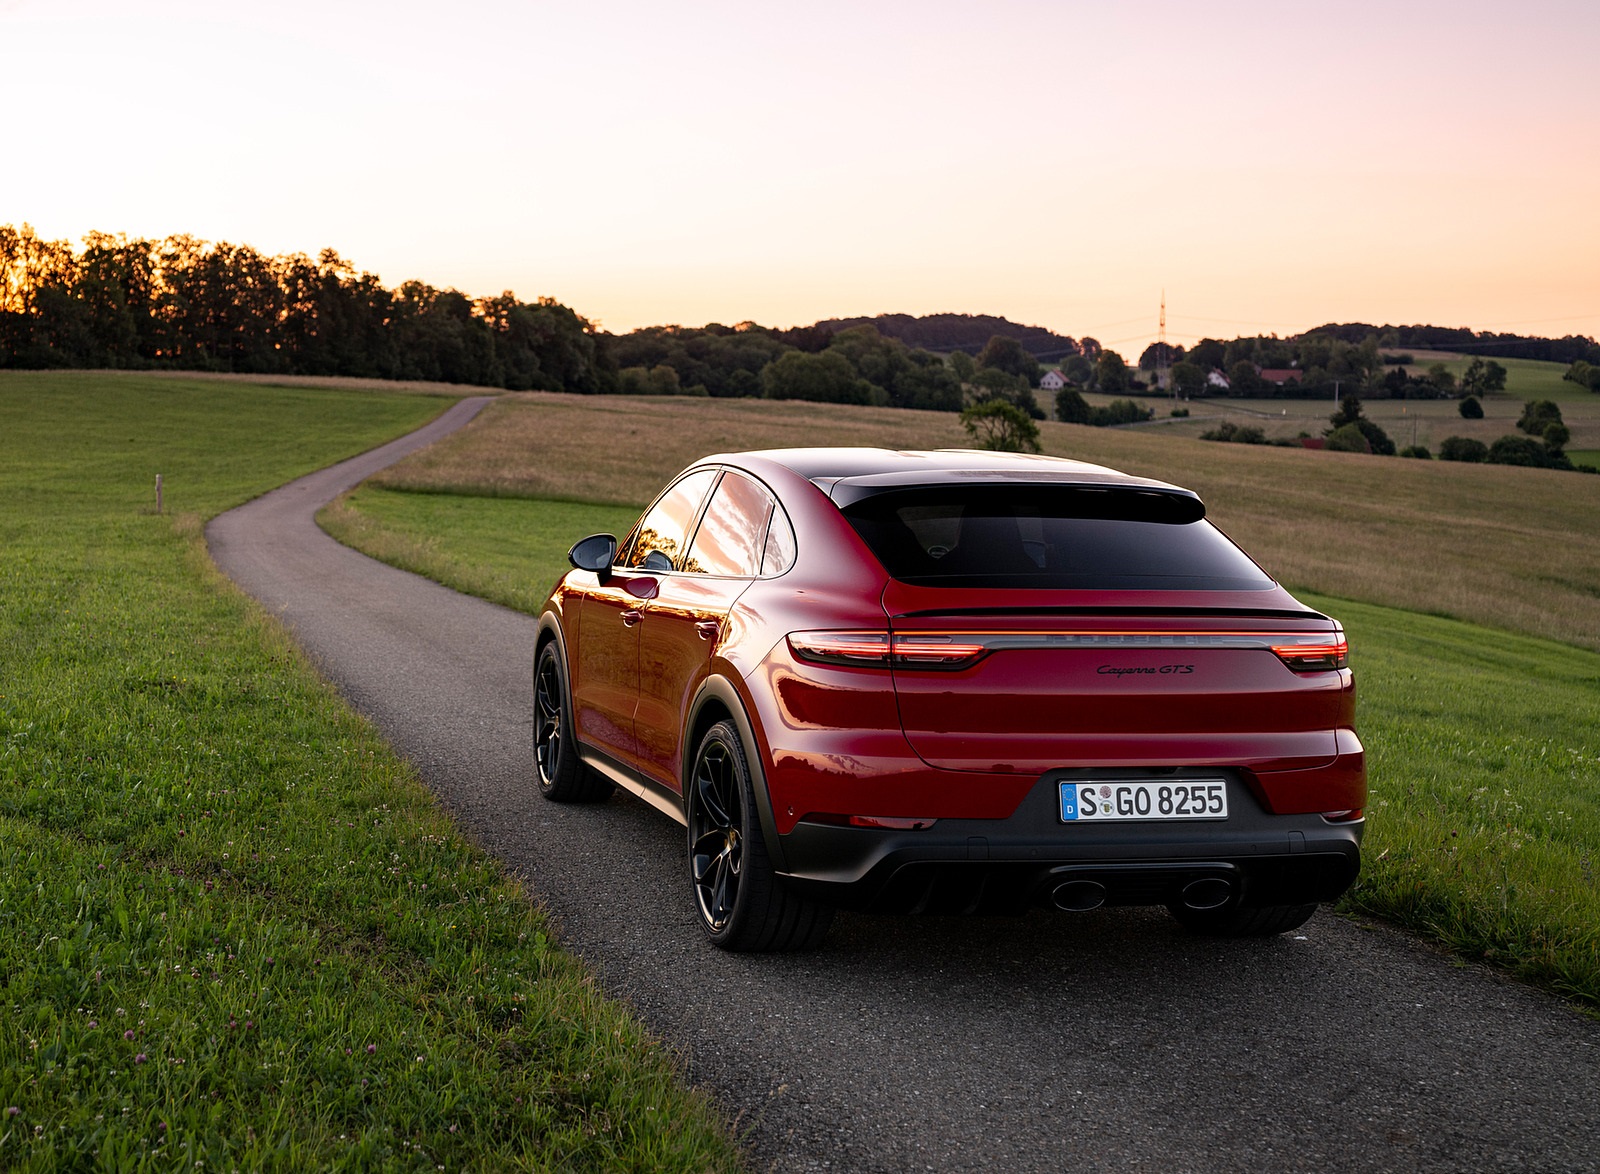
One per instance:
[(1163, 378)]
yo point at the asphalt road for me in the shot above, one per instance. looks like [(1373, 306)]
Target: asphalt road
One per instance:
[(1106, 1040)]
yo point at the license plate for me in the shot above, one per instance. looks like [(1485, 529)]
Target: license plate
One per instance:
[(1140, 799)]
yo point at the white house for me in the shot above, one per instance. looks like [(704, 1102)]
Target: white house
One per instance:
[(1217, 380), (1053, 380)]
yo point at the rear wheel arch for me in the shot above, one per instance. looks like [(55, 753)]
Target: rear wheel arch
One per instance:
[(718, 700)]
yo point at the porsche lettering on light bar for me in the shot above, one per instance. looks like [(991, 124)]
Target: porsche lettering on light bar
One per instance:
[(1303, 652)]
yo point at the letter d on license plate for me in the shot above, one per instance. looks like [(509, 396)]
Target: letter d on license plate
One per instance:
[(1124, 799)]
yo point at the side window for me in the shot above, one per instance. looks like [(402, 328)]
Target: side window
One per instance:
[(729, 539), (779, 554), (659, 537)]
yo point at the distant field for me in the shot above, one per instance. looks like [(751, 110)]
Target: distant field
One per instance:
[(1425, 422), (1512, 548), (1525, 378), (1484, 745)]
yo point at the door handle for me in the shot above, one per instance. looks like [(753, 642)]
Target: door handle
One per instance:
[(631, 617), (707, 628)]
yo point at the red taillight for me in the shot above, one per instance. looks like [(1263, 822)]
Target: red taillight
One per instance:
[(1314, 654), (864, 649), (1354, 815), (881, 649)]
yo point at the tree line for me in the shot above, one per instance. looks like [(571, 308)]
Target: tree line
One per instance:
[(186, 303), (1464, 340)]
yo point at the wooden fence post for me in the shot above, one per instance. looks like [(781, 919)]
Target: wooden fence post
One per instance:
[(158, 493)]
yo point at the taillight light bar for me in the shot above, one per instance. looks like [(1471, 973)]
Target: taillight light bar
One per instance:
[(883, 649), (1308, 652)]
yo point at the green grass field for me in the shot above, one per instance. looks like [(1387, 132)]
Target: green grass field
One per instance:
[(238, 933), (1525, 378), (1484, 744)]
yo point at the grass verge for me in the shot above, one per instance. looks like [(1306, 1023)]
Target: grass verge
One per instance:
[(237, 932), (1484, 821)]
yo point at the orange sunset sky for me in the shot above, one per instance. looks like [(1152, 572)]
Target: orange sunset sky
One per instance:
[(1270, 166)]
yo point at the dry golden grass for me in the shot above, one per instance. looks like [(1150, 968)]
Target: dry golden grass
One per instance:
[(1511, 548)]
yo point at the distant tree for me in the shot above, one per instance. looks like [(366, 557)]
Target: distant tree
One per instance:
[(658, 380), (1584, 374), (1078, 369), (1556, 436), (1444, 382), (1417, 451), (1110, 373), (1483, 376), (926, 383), (1348, 438), (962, 365), (1471, 409), (1350, 415), (1243, 378), (992, 383), (1537, 415), (1189, 379), (1071, 407), (827, 377), (1462, 448), (877, 359), (1230, 433), (1119, 411), (1519, 450), (1158, 355), (1208, 353), (996, 424), (1007, 354)]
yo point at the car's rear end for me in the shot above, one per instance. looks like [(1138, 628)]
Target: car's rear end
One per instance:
[(1102, 700)]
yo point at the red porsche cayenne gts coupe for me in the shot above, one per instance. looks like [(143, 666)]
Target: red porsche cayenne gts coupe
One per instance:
[(953, 681)]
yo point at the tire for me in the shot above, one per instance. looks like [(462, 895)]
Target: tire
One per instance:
[(743, 905), (1234, 922), (562, 775)]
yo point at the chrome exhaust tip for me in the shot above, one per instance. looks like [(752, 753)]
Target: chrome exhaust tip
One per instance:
[(1209, 892), (1079, 896)]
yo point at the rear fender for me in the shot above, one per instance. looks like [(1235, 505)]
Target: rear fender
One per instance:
[(721, 691)]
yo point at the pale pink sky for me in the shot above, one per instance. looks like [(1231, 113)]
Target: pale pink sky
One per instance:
[(1270, 165)]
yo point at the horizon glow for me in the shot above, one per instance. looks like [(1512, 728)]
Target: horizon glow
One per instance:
[(1270, 167)]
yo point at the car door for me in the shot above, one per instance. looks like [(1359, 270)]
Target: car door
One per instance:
[(686, 620), (605, 685)]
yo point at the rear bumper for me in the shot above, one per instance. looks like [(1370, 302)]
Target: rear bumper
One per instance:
[(964, 866)]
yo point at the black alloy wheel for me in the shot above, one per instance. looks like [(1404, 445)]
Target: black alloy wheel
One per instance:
[(716, 833), (742, 904), (562, 775)]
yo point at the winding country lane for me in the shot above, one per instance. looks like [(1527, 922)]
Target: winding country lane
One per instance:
[(1097, 1041)]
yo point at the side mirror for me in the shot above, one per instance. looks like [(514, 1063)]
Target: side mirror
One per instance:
[(595, 553)]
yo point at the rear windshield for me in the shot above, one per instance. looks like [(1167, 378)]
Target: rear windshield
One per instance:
[(1051, 537)]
